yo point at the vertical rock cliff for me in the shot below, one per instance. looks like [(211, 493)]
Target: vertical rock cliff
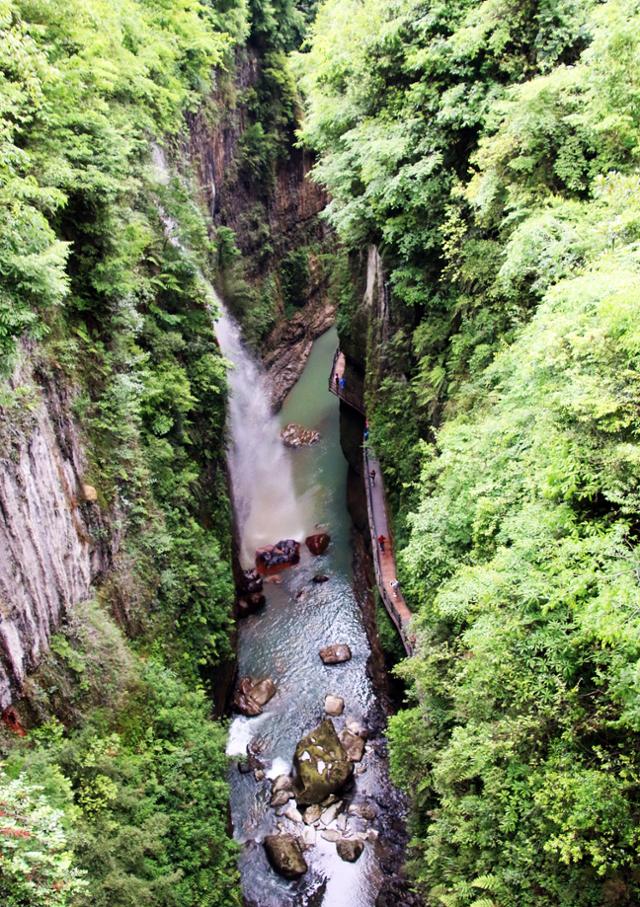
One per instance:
[(50, 521), (275, 217)]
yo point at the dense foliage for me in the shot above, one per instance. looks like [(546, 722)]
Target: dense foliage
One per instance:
[(490, 148), (130, 790), (136, 796)]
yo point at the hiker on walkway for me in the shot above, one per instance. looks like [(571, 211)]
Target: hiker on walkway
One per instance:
[(381, 541), (395, 585), (337, 382), (372, 476), (342, 384)]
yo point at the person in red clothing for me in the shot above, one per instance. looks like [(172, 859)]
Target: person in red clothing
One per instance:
[(381, 541)]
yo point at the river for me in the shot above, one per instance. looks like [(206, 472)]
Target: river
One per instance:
[(283, 640)]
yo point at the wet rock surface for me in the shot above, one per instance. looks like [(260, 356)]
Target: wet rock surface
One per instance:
[(318, 543), (252, 695), (285, 853), (333, 705), (285, 553), (290, 343), (250, 604), (335, 654), (353, 745), (321, 765), (349, 849), (295, 435)]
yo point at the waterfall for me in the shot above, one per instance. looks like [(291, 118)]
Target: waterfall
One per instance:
[(265, 502), (266, 506)]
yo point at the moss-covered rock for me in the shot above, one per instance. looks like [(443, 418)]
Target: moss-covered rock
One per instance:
[(321, 765)]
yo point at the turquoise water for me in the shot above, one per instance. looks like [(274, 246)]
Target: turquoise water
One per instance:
[(283, 641)]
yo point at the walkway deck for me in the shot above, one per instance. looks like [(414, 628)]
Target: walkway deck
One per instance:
[(351, 392)]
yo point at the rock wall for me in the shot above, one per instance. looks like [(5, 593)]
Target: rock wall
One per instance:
[(291, 202), (49, 521), (270, 219)]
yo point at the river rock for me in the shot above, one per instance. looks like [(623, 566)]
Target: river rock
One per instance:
[(295, 435), (353, 745), (273, 558), (349, 849), (329, 814), (321, 765), (309, 836), (250, 583), (285, 855), (335, 654), (356, 728), (330, 834), (312, 814), (263, 691), (363, 811), (318, 544), (282, 782), (281, 798), (320, 578), (333, 705), (252, 695), (250, 603), (292, 814)]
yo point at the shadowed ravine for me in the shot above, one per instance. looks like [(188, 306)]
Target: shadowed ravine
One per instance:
[(303, 489)]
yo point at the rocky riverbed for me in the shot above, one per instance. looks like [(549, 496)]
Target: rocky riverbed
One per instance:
[(312, 805)]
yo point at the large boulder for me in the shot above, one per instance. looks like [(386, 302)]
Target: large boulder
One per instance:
[(295, 435), (321, 765), (285, 855), (335, 654), (349, 849), (273, 558), (318, 544), (251, 695)]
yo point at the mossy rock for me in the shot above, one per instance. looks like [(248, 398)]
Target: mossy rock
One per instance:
[(321, 764)]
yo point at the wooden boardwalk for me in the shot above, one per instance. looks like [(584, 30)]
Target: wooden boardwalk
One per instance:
[(351, 391)]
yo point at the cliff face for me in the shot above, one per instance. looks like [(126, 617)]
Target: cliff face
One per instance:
[(50, 523), (271, 219), (289, 202)]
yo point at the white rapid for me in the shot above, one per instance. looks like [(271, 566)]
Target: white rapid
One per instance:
[(266, 506)]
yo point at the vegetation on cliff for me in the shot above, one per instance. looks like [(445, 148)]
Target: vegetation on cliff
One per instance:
[(118, 794), (490, 149)]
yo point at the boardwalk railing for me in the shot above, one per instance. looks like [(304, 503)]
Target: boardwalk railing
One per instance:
[(393, 600), (351, 390)]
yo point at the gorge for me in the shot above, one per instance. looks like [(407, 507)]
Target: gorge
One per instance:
[(203, 699)]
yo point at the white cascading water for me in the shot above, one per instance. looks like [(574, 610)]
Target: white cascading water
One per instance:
[(266, 506)]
